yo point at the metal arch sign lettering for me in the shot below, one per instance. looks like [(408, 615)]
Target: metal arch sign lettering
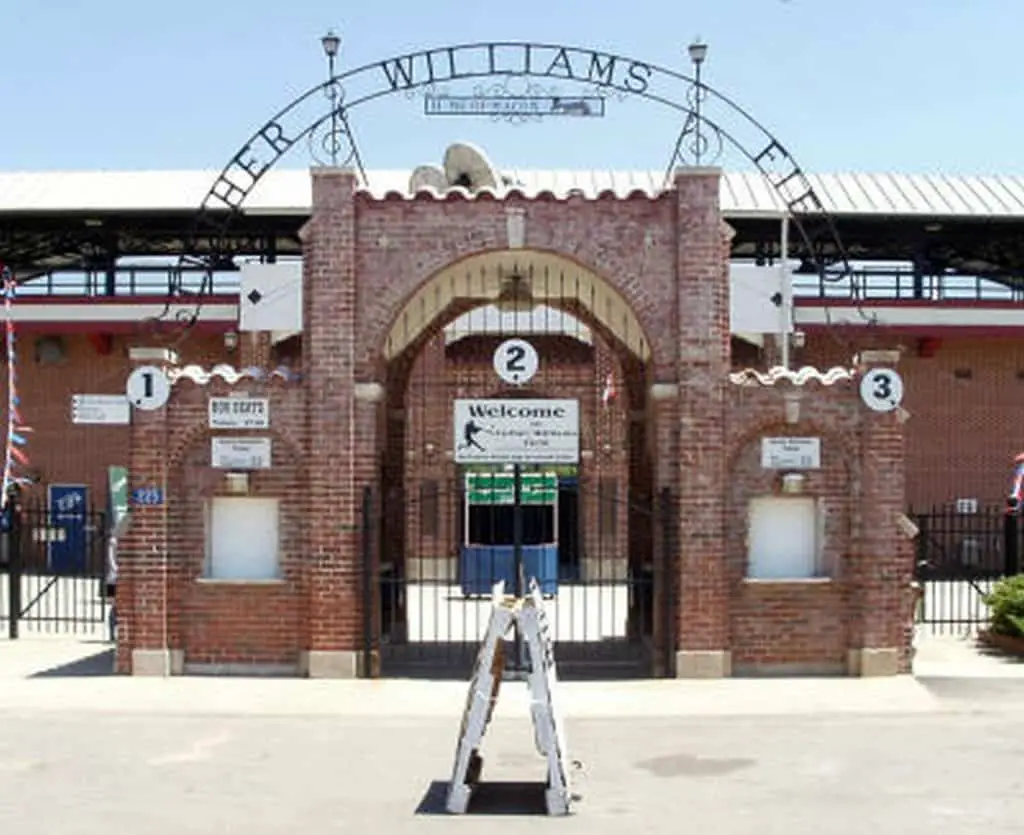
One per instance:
[(330, 102)]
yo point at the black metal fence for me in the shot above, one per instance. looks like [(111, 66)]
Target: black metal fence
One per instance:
[(611, 611), (961, 554), (53, 567)]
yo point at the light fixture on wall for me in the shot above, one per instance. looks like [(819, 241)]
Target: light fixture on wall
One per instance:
[(237, 484), (793, 483), (907, 527), (791, 399), (231, 341)]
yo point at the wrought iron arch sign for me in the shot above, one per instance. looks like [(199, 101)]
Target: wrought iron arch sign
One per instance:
[(711, 122)]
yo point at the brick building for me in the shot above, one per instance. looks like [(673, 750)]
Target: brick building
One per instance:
[(644, 345), (381, 280)]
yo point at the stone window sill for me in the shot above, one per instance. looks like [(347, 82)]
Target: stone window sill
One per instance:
[(216, 581), (795, 581)]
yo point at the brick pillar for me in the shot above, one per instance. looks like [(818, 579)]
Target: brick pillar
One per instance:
[(370, 405), (702, 275), (143, 583), (663, 442), (329, 351), (254, 349), (883, 556)]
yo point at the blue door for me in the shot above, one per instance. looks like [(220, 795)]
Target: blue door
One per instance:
[(67, 548)]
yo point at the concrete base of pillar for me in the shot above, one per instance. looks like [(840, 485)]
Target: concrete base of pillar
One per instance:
[(873, 662), (703, 663), (158, 662), (331, 663)]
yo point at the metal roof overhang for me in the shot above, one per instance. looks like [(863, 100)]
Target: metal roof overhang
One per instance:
[(39, 241)]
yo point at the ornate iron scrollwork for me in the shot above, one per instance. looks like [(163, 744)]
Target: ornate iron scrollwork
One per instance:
[(720, 123)]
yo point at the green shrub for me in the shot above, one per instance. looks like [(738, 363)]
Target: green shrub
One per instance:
[(1006, 606)]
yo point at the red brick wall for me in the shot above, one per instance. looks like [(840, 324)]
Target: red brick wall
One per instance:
[(778, 624), (966, 402), (214, 621), (668, 256), (60, 452), (963, 435)]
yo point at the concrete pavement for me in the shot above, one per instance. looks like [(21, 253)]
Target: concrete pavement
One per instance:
[(84, 774), (83, 752), (55, 675), (62, 675)]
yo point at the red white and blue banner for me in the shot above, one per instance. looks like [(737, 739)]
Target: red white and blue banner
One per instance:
[(16, 463)]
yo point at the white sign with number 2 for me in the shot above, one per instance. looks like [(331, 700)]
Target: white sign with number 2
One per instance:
[(516, 361)]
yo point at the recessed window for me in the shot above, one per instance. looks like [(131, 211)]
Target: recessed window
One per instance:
[(784, 538), (429, 508), (608, 507), (242, 539)]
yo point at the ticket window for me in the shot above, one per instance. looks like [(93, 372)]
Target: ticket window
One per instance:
[(490, 509), (243, 540), (494, 525)]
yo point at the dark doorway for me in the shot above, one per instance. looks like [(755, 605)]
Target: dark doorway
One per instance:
[(568, 528)]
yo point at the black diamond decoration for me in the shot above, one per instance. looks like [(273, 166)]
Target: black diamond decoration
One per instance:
[(255, 296)]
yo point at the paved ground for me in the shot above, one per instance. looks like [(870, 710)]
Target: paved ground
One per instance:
[(84, 752), (934, 774)]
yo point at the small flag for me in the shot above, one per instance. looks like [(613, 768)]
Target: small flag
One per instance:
[(609, 393)]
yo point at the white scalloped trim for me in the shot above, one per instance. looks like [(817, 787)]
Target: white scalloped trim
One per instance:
[(753, 377), (504, 192), (197, 374)]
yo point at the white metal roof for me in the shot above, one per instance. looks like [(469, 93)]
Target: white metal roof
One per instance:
[(743, 194)]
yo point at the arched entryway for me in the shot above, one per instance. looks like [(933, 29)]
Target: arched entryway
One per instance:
[(585, 530)]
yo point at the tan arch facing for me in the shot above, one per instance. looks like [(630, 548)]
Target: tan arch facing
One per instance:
[(516, 277)]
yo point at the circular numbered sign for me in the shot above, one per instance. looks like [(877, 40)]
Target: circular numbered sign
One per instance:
[(148, 388), (881, 389), (516, 361)]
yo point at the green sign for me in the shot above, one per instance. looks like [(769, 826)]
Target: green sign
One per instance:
[(490, 488), (500, 489), (117, 488), (538, 488)]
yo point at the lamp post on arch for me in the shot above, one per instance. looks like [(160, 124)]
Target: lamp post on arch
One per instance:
[(698, 51), (331, 44)]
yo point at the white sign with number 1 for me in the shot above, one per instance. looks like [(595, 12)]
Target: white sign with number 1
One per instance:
[(148, 388)]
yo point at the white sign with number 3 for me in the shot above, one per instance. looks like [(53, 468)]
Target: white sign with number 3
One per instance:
[(516, 361), (881, 389), (148, 388)]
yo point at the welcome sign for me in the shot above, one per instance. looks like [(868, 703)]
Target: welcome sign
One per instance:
[(513, 431)]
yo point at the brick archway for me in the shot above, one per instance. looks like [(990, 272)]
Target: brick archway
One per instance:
[(653, 274), (438, 348)]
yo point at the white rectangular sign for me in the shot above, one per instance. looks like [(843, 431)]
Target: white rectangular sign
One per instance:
[(239, 413), (240, 453), (107, 409), (517, 431), (791, 453)]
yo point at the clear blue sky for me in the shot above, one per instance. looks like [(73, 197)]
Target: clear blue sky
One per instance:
[(871, 85)]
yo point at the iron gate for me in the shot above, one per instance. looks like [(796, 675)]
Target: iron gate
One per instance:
[(433, 554), (960, 557), (53, 571)]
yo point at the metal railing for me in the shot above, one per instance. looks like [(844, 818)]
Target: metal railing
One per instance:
[(53, 571), (128, 282), (870, 284), (895, 284)]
